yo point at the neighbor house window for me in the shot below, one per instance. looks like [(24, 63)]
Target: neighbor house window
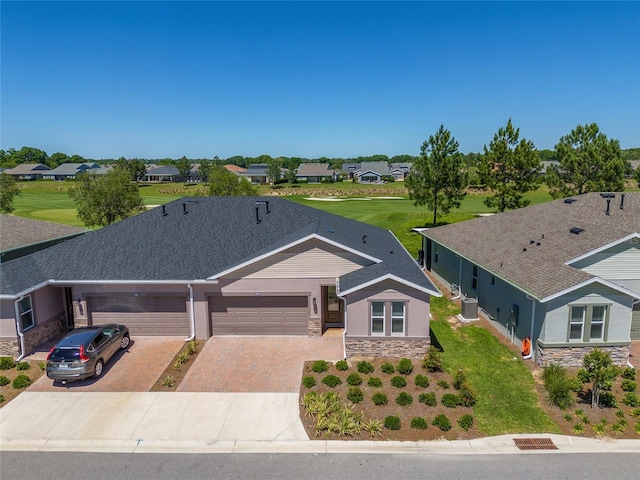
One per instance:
[(377, 318), (26, 313), (397, 318), (474, 278), (435, 253), (576, 322)]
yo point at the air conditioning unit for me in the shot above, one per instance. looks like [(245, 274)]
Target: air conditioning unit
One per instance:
[(469, 309)]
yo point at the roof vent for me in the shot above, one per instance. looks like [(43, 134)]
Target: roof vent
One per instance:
[(364, 239), (164, 211), (569, 200), (608, 195), (524, 249), (622, 202), (263, 202), (608, 206), (531, 242), (576, 230)]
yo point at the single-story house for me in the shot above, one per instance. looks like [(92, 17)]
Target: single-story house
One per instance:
[(27, 171), (256, 173), (66, 171), (164, 173), (204, 266), (565, 273), (399, 171), (315, 172), (372, 172), (235, 168)]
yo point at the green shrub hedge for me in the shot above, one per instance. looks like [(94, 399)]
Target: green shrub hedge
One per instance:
[(403, 399), (365, 367), (429, 399), (320, 366), (331, 381), (392, 422), (398, 382), (309, 381), (354, 379), (405, 367), (374, 382), (387, 368), (379, 399), (21, 381), (465, 422), (442, 422), (419, 423), (355, 395), (422, 381), (342, 365)]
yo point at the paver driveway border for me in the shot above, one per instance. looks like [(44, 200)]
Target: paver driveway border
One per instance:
[(257, 363), (135, 369)]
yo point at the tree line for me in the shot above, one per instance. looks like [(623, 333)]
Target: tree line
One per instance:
[(584, 160)]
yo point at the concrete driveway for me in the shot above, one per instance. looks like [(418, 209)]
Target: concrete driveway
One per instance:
[(257, 364), (133, 370)]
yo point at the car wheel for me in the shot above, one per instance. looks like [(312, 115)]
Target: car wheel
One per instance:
[(124, 343), (98, 370)]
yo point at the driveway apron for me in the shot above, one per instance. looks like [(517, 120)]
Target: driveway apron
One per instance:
[(135, 369), (257, 364)]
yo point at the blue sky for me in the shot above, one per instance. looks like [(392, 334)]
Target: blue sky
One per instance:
[(167, 79)]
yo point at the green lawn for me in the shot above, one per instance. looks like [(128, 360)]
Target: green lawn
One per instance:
[(507, 401)]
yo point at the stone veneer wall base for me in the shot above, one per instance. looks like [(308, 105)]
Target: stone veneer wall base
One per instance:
[(387, 347), (44, 332), (10, 348), (572, 356), (315, 327)]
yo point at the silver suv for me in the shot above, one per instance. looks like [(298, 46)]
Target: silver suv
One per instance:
[(84, 351)]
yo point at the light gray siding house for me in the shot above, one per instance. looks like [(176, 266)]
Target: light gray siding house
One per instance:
[(69, 171), (565, 273), (27, 171), (205, 266)]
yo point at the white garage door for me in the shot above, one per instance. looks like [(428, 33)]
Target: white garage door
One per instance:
[(259, 315), (143, 315)]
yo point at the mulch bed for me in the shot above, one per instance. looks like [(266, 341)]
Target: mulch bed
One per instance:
[(177, 374), (7, 391)]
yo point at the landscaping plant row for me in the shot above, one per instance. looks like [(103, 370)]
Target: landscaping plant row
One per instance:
[(20, 381)]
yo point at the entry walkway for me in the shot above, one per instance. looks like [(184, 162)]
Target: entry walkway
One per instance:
[(257, 364)]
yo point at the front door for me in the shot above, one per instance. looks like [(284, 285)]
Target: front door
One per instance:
[(333, 308), (68, 303)]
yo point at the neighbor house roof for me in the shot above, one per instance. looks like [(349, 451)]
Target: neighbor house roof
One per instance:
[(26, 169), (71, 168), (234, 168), (19, 231), (256, 169), (530, 247), (314, 170), (216, 235), (163, 170), (381, 168)]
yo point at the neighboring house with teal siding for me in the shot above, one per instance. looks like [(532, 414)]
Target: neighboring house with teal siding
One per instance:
[(565, 273)]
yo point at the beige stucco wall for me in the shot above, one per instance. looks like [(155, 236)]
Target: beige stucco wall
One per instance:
[(417, 313)]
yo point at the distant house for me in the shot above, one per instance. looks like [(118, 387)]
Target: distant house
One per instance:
[(68, 171), (399, 171), (564, 273), (165, 173), (314, 172), (235, 168), (256, 173), (375, 172), (27, 171)]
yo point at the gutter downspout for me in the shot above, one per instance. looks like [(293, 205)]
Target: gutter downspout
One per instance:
[(459, 279), (192, 316), (344, 334), (533, 319), (18, 328)]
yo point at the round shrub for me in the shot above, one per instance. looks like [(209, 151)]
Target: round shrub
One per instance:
[(309, 382), (398, 382), (331, 381), (422, 381), (374, 382), (630, 398), (608, 400), (355, 395), (432, 361), (419, 423), (320, 366), (443, 384), (465, 422), (403, 399), (629, 373), (429, 399), (342, 365), (21, 381), (442, 422), (629, 385), (4, 381), (405, 367), (387, 368), (23, 366), (365, 367), (450, 400), (379, 399), (459, 379), (7, 363), (1, 398), (392, 422), (354, 379)]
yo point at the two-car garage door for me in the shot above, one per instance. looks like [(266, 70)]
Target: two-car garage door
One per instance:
[(144, 315), (259, 315)]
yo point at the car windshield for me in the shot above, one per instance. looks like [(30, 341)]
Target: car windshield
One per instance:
[(65, 354)]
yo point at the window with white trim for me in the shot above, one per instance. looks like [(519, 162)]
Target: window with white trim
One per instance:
[(397, 318), (576, 322), (26, 313), (588, 323), (377, 318)]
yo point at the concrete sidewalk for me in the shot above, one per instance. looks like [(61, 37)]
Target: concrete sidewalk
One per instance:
[(216, 423)]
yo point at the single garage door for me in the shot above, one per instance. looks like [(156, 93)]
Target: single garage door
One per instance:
[(143, 315), (635, 322), (259, 315)]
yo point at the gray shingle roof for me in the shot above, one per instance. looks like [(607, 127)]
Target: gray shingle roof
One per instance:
[(217, 234), (314, 169), (71, 168), (19, 231), (163, 170), (529, 247), (27, 168)]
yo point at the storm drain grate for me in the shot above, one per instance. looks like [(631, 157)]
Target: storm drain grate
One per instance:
[(534, 444)]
